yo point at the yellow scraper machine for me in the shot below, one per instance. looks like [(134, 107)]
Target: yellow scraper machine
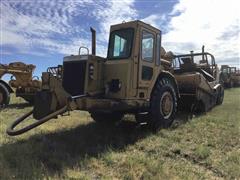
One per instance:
[(136, 77)]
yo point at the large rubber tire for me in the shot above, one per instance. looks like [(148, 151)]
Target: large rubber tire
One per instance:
[(4, 95), (101, 117), (220, 96), (163, 106)]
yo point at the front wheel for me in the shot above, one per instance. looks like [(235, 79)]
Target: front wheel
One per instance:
[(163, 104)]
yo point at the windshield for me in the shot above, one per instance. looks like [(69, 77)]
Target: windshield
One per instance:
[(225, 70), (233, 70), (120, 44)]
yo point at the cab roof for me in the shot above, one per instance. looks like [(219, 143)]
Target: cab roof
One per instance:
[(133, 24)]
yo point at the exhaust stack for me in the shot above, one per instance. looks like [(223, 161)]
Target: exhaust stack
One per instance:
[(203, 48), (203, 52), (93, 31)]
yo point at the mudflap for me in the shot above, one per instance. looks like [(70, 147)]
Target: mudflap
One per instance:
[(44, 104)]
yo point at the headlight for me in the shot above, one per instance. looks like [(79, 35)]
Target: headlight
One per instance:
[(91, 71)]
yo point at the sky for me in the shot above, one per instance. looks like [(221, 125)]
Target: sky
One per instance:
[(42, 32)]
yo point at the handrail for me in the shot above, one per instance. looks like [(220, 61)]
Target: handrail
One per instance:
[(82, 47)]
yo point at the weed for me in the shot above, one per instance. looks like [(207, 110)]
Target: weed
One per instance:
[(75, 147)]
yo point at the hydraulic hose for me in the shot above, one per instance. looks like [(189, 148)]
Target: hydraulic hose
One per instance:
[(12, 132)]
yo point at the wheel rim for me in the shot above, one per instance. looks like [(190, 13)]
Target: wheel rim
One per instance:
[(166, 105)]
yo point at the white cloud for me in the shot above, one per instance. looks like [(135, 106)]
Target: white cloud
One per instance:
[(28, 26), (152, 19), (155, 20), (114, 12), (210, 22)]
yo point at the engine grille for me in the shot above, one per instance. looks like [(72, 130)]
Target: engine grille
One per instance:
[(74, 77)]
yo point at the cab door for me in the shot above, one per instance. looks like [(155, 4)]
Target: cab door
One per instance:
[(147, 60)]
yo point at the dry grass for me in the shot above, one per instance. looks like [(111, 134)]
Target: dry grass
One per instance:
[(74, 147)]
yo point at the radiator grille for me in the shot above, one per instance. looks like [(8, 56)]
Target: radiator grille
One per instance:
[(74, 77)]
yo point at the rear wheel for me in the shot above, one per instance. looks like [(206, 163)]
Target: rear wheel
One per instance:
[(101, 117), (4, 95), (163, 104)]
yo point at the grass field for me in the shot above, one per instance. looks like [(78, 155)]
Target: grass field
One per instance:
[(75, 147)]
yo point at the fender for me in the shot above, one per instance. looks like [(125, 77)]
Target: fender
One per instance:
[(167, 74), (10, 90)]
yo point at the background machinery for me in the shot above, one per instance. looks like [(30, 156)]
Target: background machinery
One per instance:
[(230, 76), (235, 76), (198, 80), (226, 76), (21, 81)]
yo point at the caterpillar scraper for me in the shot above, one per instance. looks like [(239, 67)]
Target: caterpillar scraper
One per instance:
[(136, 77), (235, 76), (22, 81), (230, 76), (198, 80)]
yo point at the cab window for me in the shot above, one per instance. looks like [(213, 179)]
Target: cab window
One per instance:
[(147, 46), (120, 44)]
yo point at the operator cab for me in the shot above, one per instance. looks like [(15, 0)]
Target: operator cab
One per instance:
[(132, 60), (233, 70), (225, 69), (129, 71)]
